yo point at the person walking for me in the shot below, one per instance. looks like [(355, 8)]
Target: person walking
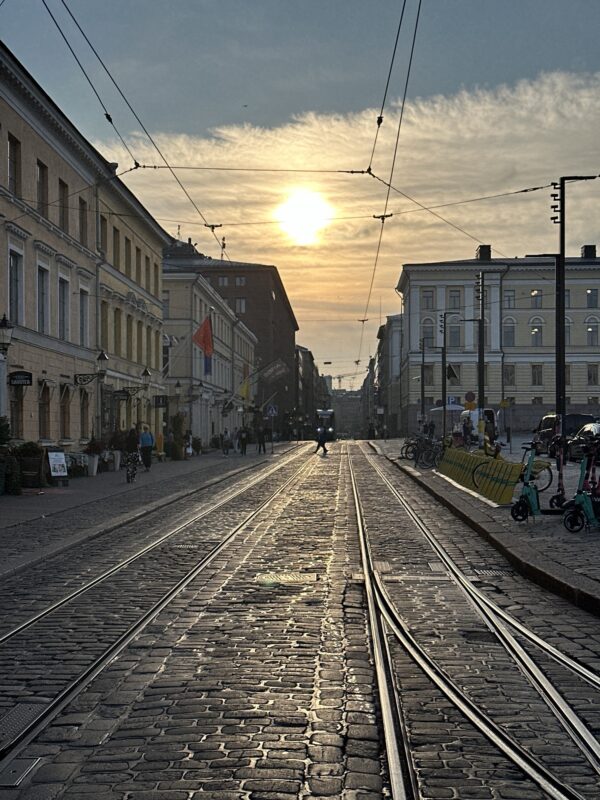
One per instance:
[(226, 442), (243, 440), (132, 455), (146, 445), (260, 440), (321, 439)]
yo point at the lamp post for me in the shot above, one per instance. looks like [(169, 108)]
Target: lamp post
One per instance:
[(6, 332)]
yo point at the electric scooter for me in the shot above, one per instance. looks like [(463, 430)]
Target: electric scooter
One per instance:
[(529, 499), (584, 510)]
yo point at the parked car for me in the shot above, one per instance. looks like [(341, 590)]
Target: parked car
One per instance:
[(576, 444), (546, 429)]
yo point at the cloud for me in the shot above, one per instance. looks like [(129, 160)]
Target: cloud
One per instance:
[(453, 148)]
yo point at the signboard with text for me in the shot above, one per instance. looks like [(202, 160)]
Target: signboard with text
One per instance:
[(20, 378), (58, 465)]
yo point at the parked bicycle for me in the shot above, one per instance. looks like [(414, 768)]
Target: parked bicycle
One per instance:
[(541, 471)]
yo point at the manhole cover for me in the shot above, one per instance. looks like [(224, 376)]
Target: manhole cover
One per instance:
[(269, 578)]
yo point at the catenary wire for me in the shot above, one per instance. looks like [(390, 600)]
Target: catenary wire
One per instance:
[(387, 85), (151, 139)]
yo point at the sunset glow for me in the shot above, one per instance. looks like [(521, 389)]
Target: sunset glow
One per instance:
[(303, 215)]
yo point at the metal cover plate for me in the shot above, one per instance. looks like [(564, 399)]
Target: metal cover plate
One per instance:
[(18, 718), (13, 774), (268, 578)]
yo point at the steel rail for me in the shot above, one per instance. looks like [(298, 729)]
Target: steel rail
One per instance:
[(12, 748), (399, 765), (572, 724), (126, 562)]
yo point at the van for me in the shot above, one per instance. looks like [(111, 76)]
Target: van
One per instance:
[(546, 429)]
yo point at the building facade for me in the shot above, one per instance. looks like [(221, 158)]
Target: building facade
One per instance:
[(80, 278), (387, 385), (441, 304), (211, 396)]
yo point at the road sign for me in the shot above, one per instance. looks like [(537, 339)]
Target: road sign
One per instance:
[(272, 411)]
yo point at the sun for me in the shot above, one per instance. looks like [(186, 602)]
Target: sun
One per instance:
[(303, 215)]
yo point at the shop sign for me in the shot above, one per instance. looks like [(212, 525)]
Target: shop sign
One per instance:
[(20, 378), (161, 400)]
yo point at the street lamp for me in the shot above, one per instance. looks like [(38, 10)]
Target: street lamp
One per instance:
[(6, 332)]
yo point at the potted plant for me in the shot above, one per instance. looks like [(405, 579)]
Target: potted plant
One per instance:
[(4, 437), (93, 449), (30, 456)]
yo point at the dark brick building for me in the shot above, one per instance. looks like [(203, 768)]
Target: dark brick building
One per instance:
[(257, 295)]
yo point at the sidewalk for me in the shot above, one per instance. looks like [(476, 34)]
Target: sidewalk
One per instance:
[(35, 504), (567, 564)]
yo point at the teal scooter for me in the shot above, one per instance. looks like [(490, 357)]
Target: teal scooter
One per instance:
[(584, 510), (528, 503)]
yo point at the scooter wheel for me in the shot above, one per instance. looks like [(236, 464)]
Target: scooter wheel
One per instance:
[(520, 511), (574, 520), (557, 501)]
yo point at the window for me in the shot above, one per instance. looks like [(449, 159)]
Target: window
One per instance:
[(428, 375), (16, 412), (43, 300), (592, 374), (536, 298), (592, 401), (104, 325), (486, 299), (537, 375), (15, 286), (129, 337), (592, 298), (116, 259), (536, 335), (509, 298), (508, 374), (84, 414), (427, 336), (508, 333), (148, 346), (567, 298), (65, 412), (592, 333), (567, 331), (63, 206), (147, 273), (427, 299), (223, 280), (140, 343), (156, 280), (454, 299), (454, 336), (84, 317), (83, 222), (63, 309), (240, 280), (537, 401), (44, 413), (103, 234), (14, 165), (128, 257), (118, 322), (138, 266), (165, 305), (568, 374), (453, 374), (240, 305), (42, 188), (429, 401)]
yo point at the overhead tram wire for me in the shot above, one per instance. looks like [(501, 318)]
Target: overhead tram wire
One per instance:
[(92, 87), (387, 85), (150, 138), (387, 197)]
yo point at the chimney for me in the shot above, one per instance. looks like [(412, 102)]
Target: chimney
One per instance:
[(588, 251), (484, 252)]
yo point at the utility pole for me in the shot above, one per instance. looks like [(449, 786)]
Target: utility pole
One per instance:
[(422, 383), (481, 357), (444, 369), (560, 218)]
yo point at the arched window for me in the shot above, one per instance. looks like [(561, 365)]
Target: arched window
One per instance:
[(591, 330), (509, 328), (568, 323), (536, 326)]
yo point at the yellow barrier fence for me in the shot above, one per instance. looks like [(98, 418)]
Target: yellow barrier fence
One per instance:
[(497, 479)]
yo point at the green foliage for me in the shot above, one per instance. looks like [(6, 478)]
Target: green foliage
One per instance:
[(28, 450), (94, 447), (4, 430), (12, 481), (117, 440), (196, 444)]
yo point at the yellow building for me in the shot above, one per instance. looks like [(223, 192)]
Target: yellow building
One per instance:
[(80, 279)]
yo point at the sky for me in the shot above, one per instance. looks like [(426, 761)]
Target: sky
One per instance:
[(270, 98)]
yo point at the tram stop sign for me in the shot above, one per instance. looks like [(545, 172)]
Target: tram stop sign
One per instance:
[(271, 411)]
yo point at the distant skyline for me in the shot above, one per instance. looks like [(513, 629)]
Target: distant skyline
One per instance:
[(502, 96)]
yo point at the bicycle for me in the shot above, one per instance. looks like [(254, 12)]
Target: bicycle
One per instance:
[(528, 502), (541, 471)]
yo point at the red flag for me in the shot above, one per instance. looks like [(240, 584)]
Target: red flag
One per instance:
[(203, 337)]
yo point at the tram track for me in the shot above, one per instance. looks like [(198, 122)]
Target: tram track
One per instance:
[(115, 595), (402, 769)]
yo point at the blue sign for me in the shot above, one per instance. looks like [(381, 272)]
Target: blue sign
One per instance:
[(272, 411)]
